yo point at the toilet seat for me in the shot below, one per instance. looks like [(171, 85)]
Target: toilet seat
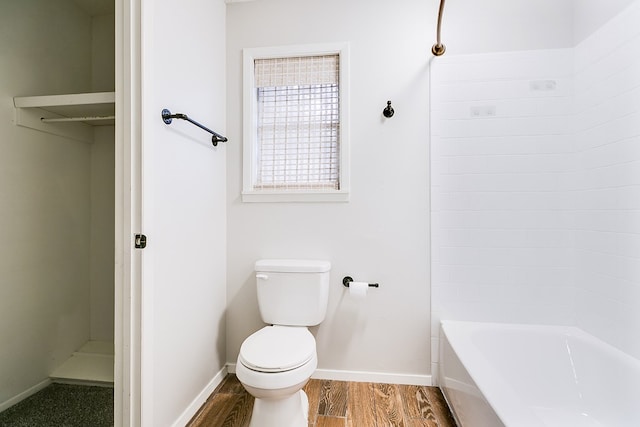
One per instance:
[(277, 348)]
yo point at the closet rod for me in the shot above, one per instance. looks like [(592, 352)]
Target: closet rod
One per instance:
[(76, 119), (167, 116)]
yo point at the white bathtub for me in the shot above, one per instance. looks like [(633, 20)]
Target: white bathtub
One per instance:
[(522, 375)]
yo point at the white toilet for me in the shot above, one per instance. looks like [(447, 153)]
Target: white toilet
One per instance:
[(277, 361)]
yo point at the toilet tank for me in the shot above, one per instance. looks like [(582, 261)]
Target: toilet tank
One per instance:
[(292, 292)]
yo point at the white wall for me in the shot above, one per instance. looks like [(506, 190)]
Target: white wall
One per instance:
[(590, 15), (184, 290), (512, 25), (471, 26), (381, 234), (102, 232), (44, 185), (102, 186), (605, 187), (103, 52), (535, 207)]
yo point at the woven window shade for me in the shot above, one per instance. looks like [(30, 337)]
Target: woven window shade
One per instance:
[(298, 123), (297, 71)]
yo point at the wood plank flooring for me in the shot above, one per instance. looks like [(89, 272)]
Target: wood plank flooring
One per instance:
[(336, 404)]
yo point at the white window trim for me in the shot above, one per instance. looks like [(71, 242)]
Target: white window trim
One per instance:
[(250, 117)]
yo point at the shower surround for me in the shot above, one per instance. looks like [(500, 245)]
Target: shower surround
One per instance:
[(536, 186)]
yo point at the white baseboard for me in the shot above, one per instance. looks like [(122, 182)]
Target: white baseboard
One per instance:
[(363, 376), (372, 377), (21, 396), (202, 397)]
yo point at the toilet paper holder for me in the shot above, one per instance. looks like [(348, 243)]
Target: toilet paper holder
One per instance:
[(346, 280)]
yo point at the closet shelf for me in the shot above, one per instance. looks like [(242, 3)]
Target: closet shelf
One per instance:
[(82, 105), (70, 115)]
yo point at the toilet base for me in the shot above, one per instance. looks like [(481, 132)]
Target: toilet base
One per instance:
[(292, 411)]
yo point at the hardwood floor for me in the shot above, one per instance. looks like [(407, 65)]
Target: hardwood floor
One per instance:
[(336, 404)]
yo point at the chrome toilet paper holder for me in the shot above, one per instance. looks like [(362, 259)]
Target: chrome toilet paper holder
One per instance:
[(347, 279)]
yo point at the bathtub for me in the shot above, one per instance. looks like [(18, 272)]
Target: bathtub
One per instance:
[(524, 375)]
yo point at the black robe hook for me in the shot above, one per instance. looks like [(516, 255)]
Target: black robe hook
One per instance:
[(388, 110)]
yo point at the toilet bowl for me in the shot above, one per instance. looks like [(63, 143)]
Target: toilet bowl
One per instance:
[(274, 364)]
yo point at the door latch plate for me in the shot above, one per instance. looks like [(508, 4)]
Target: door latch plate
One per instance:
[(140, 241)]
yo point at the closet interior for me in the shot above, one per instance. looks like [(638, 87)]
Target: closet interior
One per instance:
[(58, 143)]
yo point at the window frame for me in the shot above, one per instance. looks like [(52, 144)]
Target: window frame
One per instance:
[(249, 194)]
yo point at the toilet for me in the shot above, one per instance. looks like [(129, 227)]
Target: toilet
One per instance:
[(275, 362)]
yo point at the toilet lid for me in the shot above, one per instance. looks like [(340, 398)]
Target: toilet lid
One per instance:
[(277, 349)]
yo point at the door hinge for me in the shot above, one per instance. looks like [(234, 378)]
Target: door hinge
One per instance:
[(140, 241)]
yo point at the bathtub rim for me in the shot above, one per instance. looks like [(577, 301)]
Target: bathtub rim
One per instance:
[(494, 390), (503, 405)]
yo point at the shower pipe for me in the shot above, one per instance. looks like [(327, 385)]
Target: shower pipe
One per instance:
[(438, 48)]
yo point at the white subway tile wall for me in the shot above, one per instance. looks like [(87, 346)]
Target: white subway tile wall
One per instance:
[(605, 184), (536, 185), (501, 244)]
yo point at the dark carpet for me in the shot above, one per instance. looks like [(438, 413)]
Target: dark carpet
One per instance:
[(63, 405)]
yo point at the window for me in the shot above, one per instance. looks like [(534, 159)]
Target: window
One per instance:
[(295, 145)]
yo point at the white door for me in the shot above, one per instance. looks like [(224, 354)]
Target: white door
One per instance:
[(170, 183)]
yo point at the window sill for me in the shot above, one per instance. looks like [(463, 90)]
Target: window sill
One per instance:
[(293, 196)]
